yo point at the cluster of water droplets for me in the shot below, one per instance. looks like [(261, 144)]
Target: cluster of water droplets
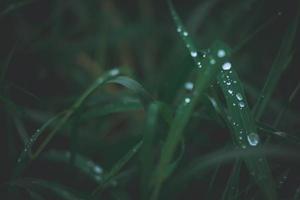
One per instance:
[(238, 98), (29, 144), (96, 171)]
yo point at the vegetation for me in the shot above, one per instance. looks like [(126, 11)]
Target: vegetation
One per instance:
[(149, 100)]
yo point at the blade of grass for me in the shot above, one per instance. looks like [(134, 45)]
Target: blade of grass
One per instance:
[(60, 191), (83, 164), (232, 186), (244, 130), (115, 170), (146, 154), (15, 6), (279, 65), (205, 76), (109, 77)]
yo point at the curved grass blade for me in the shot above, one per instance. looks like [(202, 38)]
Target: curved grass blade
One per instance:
[(83, 164), (133, 86), (123, 105), (109, 77), (279, 65), (26, 153), (207, 162)]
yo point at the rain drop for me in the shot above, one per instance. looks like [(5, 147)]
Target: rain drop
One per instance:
[(253, 139), (188, 85), (221, 53), (199, 64), (187, 100), (97, 170), (242, 104), (212, 61), (114, 72), (226, 66), (185, 33), (230, 91), (239, 96), (194, 54)]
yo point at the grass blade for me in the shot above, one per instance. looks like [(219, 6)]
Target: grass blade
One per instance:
[(279, 65), (115, 170), (58, 190), (244, 130), (205, 75), (109, 77), (83, 164)]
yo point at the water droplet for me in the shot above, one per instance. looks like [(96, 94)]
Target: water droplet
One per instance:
[(230, 91), (253, 139), (179, 29), (194, 54), (204, 55), (114, 72), (199, 64), (243, 146), (221, 53), (188, 85), (212, 61), (280, 133), (97, 170), (187, 100), (242, 104), (239, 96), (226, 66), (228, 83), (185, 33)]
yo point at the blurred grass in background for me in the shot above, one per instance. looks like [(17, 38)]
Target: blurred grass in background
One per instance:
[(107, 146)]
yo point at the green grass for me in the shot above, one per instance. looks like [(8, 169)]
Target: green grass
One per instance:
[(200, 103)]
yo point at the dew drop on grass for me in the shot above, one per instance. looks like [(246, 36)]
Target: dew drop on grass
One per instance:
[(114, 72), (199, 64), (253, 139), (187, 100), (97, 170), (212, 61), (221, 53), (241, 104), (226, 66), (230, 91), (188, 85), (194, 54), (179, 29), (239, 96), (185, 33)]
